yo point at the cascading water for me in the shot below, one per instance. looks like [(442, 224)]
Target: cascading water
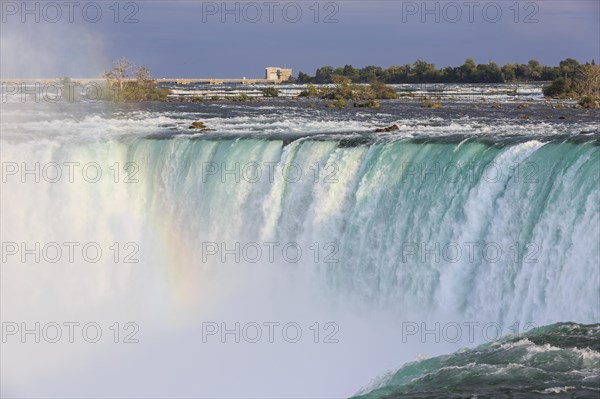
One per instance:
[(385, 205), (391, 231)]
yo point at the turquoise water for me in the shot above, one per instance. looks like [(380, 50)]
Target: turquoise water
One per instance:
[(511, 230), (559, 360)]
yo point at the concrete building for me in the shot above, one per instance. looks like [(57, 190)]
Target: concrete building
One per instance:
[(278, 74)]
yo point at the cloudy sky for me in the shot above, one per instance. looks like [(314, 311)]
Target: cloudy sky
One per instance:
[(236, 39)]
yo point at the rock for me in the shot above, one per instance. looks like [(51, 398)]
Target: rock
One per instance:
[(368, 104), (339, 103), (391, 128), (562, 117), (198, 125)]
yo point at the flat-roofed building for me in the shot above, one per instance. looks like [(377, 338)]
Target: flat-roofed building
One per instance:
[(278, 74)]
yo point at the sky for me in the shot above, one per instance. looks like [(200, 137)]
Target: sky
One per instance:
[(239, 39)]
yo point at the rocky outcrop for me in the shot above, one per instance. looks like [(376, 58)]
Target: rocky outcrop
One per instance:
[(391, 128), (368, 104), (339, 103), (197, 125)]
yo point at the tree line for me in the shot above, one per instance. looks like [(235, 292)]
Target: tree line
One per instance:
[(469, 72)]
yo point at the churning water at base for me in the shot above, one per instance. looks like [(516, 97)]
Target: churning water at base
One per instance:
[(560, 360), (381, 234)]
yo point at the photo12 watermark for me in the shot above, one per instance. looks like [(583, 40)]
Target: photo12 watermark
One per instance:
[(53, 332), (69, 172), (269, 252), (452, 12), (470, 252), (471, 172), (59, 91), (252, 332), (88, 252), (252, 12), (256, 172), (465, 331), (52, 12)]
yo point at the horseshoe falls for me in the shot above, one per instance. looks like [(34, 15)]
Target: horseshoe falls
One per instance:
[(289, 260)]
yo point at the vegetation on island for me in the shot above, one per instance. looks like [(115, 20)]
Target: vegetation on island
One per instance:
[(270, 92), (127, 82), (343, 89), (583, 83)]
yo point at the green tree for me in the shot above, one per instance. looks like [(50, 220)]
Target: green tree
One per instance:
[(423, 70), (323, 75), (509, 71), (559, 87), (468, 71), (568, 67), (535, 69), (303, 78), (369, 73), (350, 72), (394, 74), (490, 72)]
